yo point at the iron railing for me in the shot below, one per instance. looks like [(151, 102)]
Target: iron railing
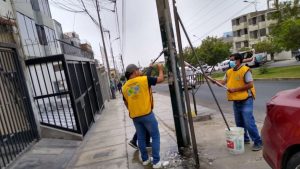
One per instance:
[(17, 123), (66, 91)]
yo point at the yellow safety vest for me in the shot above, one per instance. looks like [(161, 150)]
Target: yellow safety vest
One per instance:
[(138, 96), (236, 79)]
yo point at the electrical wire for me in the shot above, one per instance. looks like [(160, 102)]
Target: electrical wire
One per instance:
[(210, 18), (216, 27), (191, 19)]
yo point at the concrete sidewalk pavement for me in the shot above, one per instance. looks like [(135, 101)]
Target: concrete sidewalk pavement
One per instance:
[(105, 146), (211, 140)]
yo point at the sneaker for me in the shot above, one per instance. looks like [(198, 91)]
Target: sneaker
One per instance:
[(133, 144), (160, 164), (247, 142), (147, 161), (256, 147)]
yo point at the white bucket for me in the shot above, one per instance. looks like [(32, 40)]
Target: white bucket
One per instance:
[(235, 140)]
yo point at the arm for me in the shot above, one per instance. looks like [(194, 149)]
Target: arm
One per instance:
[(160, 77), (149, 70)]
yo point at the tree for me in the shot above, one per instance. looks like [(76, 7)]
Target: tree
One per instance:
[(267, 46), (213, 50), (244, 49), (286, 32)]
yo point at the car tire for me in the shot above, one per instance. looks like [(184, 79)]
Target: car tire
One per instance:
[(298, 58), (294, 162)]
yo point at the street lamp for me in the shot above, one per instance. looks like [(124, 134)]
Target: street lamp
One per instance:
[(256, 13)]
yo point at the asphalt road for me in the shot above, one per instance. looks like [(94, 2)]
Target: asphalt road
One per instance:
[(265, 90)]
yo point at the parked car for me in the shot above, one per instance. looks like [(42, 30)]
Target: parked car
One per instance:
[(224, 65), (281, 130), (297, 57)]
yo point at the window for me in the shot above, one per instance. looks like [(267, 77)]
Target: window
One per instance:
[(41, 34), (253, 34), (253, 21), (263, 18), (238, 45), (244, 19), (262, 32), (237, 21), (246, 44), (233, 22), (238, 33), (29, 35), (245, 31)]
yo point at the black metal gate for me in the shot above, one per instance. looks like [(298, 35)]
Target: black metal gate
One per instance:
[(66, 91), (17, 123)]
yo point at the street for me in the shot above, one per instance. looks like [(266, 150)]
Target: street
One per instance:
[(265, 89)]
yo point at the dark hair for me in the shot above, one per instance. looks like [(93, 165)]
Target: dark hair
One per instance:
[(127, 75), (237, 56)]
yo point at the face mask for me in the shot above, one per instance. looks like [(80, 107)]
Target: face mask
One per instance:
[(232, 63)]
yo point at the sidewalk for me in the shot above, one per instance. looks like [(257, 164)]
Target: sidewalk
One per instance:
[(211, 142), (105, 145)]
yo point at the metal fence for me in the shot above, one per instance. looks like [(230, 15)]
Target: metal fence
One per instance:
[(17, 123), (66, 91)]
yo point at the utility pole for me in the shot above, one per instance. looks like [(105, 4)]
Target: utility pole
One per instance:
[(111, 50), (186, 92), (168, 41), (101, 30)]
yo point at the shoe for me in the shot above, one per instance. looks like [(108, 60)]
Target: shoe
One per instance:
[(256, 147), (147, 161), (133, 144), (247, 142), (160, 164)]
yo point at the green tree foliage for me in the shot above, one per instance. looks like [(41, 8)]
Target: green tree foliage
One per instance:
[(267, 46), (244, 49), (211, 51), (286, 32)]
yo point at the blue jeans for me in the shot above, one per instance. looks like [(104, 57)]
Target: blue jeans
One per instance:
[(243, 113), (142, 125)]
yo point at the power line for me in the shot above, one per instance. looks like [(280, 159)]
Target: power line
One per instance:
[(189, 21), (200, 23), (216, 27)]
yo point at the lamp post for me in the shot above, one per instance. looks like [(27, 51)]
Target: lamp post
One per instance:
[(256, 13)]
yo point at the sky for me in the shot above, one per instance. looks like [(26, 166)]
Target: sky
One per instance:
[(139, 26)]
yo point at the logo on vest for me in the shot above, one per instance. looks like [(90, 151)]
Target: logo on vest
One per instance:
[(133, 90)]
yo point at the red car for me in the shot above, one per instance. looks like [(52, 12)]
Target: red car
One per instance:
[(281, 130)]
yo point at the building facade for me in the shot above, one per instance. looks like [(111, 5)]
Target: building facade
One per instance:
[(248, 29)]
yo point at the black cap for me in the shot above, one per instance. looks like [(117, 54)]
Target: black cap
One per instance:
[(131, 68)]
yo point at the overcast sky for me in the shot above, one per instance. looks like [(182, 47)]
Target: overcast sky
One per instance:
[(140, 31)]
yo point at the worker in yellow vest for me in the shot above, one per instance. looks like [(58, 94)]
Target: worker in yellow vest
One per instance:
[(137, 96), (241, 90)]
